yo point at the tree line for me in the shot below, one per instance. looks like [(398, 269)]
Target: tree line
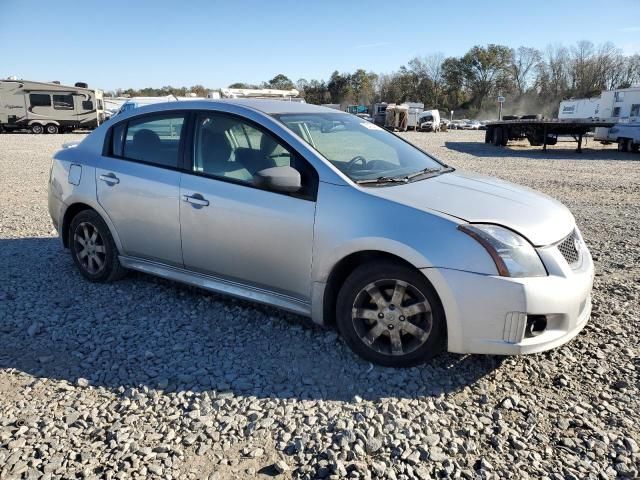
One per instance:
[(531, 80)]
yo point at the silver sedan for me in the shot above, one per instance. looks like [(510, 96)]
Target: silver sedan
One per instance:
[(324, 214)]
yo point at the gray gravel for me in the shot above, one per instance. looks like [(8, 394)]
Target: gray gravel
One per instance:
[(146, 378)]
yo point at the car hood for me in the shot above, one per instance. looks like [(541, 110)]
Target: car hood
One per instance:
[(481, 199)]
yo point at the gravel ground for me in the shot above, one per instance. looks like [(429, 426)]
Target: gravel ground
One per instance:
[(146, 378)]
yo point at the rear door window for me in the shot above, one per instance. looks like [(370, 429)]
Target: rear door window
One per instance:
[(154, 139)]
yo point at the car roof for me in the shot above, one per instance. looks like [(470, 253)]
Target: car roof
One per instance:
[(269, 107)]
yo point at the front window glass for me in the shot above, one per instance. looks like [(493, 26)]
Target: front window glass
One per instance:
[(360, 149), (63, 102), (228, 147)]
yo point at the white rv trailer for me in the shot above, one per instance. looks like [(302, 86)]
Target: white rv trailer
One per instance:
[(265, 93), (49, 107), (137, 102), (621, 105), (579, 108), (627, 136)]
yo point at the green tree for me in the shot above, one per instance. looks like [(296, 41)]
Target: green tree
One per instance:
[(483, 71), (280, 82)]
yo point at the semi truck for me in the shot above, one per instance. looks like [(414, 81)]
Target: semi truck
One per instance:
[(429, 121), (49, 107)]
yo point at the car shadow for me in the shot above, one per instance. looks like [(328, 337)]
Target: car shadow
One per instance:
[(562, 150), (147, 332)]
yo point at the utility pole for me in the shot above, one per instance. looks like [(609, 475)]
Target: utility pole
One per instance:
[(500, 101)]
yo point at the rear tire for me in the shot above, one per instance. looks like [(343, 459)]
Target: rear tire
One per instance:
[(93, 250), (497, 136), (51, 129), (37, 129), (623, 145), (401, 323)]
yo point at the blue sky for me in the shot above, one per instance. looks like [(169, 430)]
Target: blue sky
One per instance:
[(131, 43)]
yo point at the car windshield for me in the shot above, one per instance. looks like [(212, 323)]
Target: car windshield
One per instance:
[(360, 149)]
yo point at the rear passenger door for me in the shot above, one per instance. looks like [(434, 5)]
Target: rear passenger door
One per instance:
[(138, 185)]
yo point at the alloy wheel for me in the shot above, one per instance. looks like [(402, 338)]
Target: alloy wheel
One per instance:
[(90, 248), (392, 317)]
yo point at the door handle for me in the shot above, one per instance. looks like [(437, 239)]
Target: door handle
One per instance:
[(109, 178), (196, 200)]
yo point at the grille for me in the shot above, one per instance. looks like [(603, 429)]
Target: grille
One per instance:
[(568, 248)]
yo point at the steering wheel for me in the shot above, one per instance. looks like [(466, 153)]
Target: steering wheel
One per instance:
[(355, 160)]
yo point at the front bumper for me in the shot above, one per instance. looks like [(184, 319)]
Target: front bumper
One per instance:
[(487, 314)]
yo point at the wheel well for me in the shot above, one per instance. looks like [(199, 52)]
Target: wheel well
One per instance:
[(342, 270), (71, 212)]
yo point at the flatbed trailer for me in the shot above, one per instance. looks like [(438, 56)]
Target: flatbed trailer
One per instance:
[(540, 131)]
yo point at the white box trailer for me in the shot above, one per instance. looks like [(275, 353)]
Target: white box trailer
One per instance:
[(579, 108), (413, 114), (49, 107), (621, 105)]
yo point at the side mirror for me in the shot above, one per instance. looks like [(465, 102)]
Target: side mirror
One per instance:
[(280, 179)]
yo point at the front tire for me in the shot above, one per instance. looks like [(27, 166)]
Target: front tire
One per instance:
[(390, 315), (624, 145), (93, 250)]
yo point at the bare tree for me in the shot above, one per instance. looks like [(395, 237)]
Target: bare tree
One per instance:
[(434, 72), (523, 61), (553, 77)]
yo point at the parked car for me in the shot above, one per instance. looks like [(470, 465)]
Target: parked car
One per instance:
[(326, 215), (470, 125)]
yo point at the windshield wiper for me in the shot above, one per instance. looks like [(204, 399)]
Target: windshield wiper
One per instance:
[(382, 180), (429, 171)]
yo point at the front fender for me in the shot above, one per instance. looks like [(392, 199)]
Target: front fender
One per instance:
[(349, 220)]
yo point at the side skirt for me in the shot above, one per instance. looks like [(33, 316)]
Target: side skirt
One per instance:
[(218, 285)]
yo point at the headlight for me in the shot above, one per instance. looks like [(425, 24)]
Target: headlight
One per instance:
[(513, 255)]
